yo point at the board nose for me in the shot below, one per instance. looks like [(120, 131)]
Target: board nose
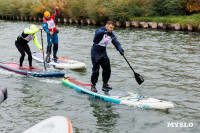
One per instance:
[(4, 91)]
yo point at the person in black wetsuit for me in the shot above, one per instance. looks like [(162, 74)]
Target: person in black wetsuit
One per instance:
[(22, 44), (103, 36)]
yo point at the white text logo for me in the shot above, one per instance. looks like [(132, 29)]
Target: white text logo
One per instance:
[(179, 124)]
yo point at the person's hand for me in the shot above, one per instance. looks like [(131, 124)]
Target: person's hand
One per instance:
[(40, 28), (122, 52), (42, 50), (51, 33), (56, 8)]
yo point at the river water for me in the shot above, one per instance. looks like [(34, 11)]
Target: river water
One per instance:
[(169, 61)]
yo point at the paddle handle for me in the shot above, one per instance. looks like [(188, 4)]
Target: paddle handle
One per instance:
[(43, 52)]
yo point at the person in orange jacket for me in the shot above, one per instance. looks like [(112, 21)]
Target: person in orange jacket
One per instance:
[(49, 27)]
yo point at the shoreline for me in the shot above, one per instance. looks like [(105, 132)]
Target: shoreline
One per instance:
[(126, 24)]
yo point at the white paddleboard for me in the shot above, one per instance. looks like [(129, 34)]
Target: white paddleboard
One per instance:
[(60, 62), (119, 96), (55, 124)]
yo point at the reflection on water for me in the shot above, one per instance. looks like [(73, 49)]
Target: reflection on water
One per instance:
[(106, 117)]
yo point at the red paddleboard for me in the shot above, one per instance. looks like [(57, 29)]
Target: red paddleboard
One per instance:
[(26, 70)]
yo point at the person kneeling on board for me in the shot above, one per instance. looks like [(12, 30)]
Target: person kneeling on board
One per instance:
[(103, 36), (22, 44)]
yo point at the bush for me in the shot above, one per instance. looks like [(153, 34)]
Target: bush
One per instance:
[(40, 6), (96, 10), (10, 7), (167, 7), (27, 8), (77, 9), (120, 10), (64, 8)]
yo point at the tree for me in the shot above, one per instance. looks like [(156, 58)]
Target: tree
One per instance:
[(192, 5)]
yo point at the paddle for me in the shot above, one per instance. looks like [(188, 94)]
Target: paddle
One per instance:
[(43, 52), (48, 59), (138, 77), (54, 17)]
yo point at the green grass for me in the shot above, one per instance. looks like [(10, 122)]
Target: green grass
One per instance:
[(191, 19)]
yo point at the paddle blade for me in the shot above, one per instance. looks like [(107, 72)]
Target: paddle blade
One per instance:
[(139, 78), (48, 59)]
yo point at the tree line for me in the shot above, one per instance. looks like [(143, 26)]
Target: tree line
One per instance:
[(100, 10)]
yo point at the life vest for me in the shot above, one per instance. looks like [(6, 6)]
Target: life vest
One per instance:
[(51, 25), (105, 40), (25, 38)]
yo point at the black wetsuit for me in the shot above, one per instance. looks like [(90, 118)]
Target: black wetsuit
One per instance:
[(22, 45), (99, 55)]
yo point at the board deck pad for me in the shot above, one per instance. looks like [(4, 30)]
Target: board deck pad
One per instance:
[(25, 68), (59, 60), (113, 92)]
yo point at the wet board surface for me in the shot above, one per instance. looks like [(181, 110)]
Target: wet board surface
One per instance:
[(119, 96), (14, 67), (59, 60), (112, 92)]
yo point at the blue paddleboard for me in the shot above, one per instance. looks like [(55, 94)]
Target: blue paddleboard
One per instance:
[(36, 72)]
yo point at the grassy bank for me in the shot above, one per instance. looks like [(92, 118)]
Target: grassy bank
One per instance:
[(191, 19), (167, 11)]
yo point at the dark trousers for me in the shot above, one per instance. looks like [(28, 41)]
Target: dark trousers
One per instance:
[(99, 58), (22, 49), (52, 40)]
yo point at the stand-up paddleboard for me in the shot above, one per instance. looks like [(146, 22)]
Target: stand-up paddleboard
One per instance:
[(36, 72), (55, 124), (60, 62), (3, 94), (119, 96)]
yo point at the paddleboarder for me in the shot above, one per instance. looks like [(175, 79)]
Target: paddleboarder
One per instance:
[(103, 36), (49, 27), (22, 44)]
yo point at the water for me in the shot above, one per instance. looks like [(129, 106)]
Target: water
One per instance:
[(169, 61)]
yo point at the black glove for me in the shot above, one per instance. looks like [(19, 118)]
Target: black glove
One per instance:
[(122, 52)]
